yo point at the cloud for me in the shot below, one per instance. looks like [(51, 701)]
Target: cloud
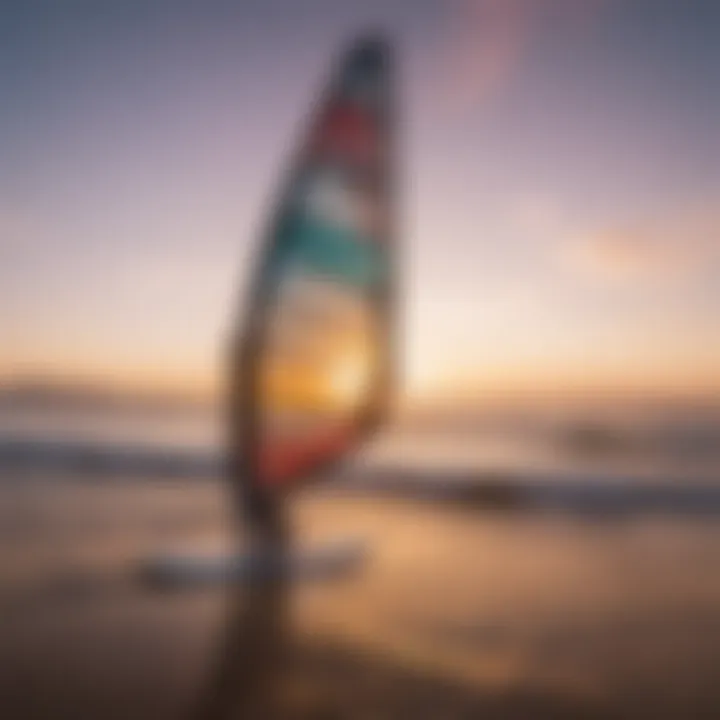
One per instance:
[(676, 244), (487, 41)]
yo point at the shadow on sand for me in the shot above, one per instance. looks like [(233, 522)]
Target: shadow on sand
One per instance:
[(264, 670)]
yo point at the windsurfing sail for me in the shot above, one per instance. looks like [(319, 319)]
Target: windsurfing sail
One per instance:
[(311, 369)]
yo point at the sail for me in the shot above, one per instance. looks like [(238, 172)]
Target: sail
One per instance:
[(314, 360)]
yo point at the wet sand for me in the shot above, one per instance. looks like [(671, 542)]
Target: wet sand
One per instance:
[(458, 613)]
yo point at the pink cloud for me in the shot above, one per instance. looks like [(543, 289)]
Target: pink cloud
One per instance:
[(488, 40), (676, 245)]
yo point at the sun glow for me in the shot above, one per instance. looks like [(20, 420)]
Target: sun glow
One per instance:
[(349, 379)]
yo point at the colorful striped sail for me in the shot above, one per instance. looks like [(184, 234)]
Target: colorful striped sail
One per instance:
[(312, 368)]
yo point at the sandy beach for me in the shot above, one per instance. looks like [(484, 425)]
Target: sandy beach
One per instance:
[(457, 613)]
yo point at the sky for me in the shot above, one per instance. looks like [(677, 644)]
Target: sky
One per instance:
[(559, 186)]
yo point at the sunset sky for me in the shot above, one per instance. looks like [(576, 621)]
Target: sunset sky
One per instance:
[(560, 184)]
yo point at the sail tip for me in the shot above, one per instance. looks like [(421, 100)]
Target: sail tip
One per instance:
[(370, 43)]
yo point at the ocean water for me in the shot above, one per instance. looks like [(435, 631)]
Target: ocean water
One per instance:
[(671, 447)]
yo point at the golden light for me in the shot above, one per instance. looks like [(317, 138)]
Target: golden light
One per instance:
[(349, 378)]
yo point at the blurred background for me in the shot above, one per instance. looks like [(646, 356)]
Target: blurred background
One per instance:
[(560, 400)]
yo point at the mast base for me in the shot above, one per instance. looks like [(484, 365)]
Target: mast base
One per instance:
[(327, 562)]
